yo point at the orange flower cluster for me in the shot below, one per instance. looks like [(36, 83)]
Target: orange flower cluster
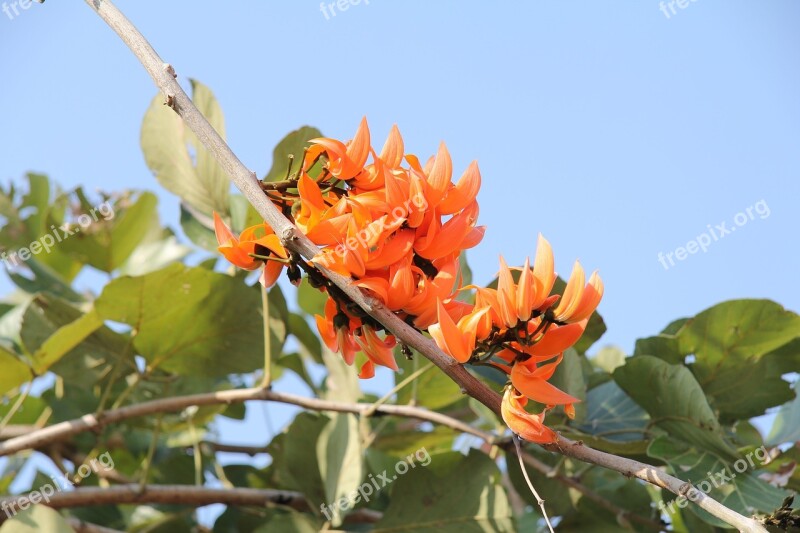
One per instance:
[(522, 330), (392, 224), (397, 227)]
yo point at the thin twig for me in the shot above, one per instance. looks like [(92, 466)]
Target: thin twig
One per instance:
[(539, 499)]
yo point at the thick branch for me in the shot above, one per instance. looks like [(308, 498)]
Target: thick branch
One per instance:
[(164, 77)]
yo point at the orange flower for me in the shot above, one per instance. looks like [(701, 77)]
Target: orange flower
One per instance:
[(531, 380), (335, 330), (345, 161), (516, 302), (579, 302), (458, 340), (528, 426), (249, 250), (555, 340), (378, 351)]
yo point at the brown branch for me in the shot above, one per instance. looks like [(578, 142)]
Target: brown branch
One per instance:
[(551, 472), (175, 495), (62, 430), (405, 411), (164, 76)]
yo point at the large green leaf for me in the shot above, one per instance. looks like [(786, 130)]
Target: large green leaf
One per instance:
[(311, 300), (611, 414), (69, 342), (433, 389), (66, 338), (166, 143), (191, 321), (469, 497), (735, 486), (44, 279), (340, 459), (293, 144), (786, 427), (109, 241), (36, 519), (675, 402), (729, 342), (154, 255), (296, 460), (569, 378), (14, 372)]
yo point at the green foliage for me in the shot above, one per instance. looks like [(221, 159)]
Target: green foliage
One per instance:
[(164, 320)]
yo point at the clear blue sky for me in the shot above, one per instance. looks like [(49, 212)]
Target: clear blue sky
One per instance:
[(614, 130)]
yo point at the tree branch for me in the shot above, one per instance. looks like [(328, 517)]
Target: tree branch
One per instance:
[(164, 76), (63, 430), (175, 495)]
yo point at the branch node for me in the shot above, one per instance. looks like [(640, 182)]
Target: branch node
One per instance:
[(169, 69)]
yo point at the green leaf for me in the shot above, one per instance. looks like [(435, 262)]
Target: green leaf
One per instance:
[(70, 343), (294, 362), (729, 342), (342, 383), (64, 339), (28, 413), (45, 279), (400, 442), (786, 427), (310, 344), (569, 378), (36, 519), (294, 455), (626, 493), (433, 389), (153, 256), (109, 241), (197, 231), (556, 493), (311, 300), (468, 498), (613, 415), (339, 455), (675, 402), (735, 486), (38, 197), (192, 321), (609, 358), (287, 521), (166, 140), (14, 373), (293, 144)]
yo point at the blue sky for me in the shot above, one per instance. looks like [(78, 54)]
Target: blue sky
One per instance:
[(614, 130)]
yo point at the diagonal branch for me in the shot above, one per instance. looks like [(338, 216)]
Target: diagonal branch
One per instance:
[(164, 76)]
